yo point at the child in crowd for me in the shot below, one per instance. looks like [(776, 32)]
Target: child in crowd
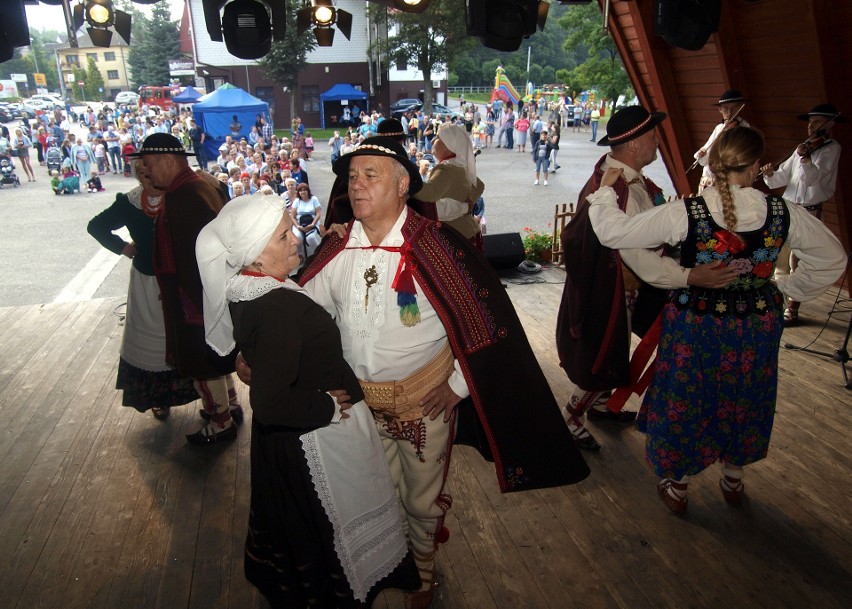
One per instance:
[(70, 182), (54, 181), (94, 183), (100, 155), (309, 146), (128, 148)]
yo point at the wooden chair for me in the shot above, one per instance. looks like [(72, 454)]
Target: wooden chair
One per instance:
[(560, 218)]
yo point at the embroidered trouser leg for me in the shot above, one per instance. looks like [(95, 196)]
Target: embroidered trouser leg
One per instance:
[(214, 396), (418, 453)]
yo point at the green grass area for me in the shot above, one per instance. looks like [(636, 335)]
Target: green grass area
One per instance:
[(319, 135)]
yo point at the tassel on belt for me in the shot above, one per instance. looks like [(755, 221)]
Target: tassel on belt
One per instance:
[(401, 399)]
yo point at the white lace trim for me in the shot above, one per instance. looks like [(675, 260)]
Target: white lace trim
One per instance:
[(135, 197), (370, 544), (246, 287)]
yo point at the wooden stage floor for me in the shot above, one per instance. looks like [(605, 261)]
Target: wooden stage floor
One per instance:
[(103, 507)]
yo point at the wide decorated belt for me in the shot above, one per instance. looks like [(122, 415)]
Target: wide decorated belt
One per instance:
[(401, 399)]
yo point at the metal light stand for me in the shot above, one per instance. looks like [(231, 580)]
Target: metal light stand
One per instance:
[(840, 355)]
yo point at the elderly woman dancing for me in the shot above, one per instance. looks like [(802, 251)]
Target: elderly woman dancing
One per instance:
[(146, 380), (325, 525)]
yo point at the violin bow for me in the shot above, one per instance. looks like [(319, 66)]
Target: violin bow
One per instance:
[(733, 116)]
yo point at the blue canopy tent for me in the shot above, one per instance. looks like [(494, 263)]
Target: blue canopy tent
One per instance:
[(189, 95), (227, 111), (339, 94)]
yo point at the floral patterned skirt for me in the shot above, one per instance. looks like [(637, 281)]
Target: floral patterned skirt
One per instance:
[(144, 389), (713, 393)]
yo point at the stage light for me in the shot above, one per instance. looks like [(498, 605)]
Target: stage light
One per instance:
[(502, 24), (323, 16), (411, 6), (247, 29), (101, 15)]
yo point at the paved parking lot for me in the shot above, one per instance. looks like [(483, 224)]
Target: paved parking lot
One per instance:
[(45, 251)]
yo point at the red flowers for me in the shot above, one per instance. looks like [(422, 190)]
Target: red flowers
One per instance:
[(728, 241)]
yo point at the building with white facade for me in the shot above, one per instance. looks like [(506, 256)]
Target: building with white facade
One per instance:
[(346, 61)]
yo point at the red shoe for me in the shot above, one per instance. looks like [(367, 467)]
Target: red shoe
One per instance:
[(676, 505), (732, 498)]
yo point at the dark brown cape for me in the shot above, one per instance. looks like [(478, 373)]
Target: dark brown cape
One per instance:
[(188, 205), (511, 415)]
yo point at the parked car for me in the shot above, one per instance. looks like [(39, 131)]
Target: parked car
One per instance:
[(126, 97), (21, 110), (436, 109), (51, 100), (403, 104), (5, 114), (39, 104)]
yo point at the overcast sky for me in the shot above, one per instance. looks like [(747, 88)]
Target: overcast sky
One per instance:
[(46, 17)]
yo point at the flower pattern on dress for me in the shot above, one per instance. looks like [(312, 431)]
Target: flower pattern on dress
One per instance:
[(753, 254)]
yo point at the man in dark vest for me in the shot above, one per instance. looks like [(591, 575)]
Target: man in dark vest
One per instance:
[(189, 203), (608, 292)]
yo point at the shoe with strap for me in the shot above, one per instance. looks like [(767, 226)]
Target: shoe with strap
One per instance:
[(667, 489), (422, 599)]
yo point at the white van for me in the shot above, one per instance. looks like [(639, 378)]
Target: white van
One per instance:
[(51, 101), (126, 97)]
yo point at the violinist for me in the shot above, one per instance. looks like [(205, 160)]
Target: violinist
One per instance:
[(809, 175), (730, 104)]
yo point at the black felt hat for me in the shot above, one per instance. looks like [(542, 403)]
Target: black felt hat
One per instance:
[(731, 96), (160, 143), (391, 127), (629, 123), (823, 110), (381, 145)]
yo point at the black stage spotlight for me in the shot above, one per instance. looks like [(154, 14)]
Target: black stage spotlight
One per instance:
[(411, 6), (323, 16), (14, 31), (213, 20), (502, 24), (247, 29), (102, 15)]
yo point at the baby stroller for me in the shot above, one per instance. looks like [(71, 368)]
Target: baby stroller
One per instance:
[(53, 157), (7, 173)]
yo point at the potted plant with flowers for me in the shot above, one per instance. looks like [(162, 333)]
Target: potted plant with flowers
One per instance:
[(538, 246)]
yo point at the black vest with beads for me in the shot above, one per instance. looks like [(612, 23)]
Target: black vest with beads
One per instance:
[(754, 253)]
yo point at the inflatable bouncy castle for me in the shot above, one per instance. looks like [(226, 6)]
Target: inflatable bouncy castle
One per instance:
[(504, 89)]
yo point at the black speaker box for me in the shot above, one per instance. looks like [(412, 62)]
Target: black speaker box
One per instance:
[(503, 250), (687, 24)]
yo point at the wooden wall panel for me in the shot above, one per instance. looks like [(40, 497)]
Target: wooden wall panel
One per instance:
[(785, 55)]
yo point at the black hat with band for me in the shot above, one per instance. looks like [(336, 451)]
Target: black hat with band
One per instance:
[(825, 111), (731, 96), (160, 143), (388, 147), (629, 123)]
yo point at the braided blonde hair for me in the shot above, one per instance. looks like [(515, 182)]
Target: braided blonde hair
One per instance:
[(734, 151)]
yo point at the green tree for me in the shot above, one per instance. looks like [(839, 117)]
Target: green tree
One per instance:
[(94, 82), (155, 41), (476, 67), (288, 57), (76, 92), (603, 69), (427, 40)]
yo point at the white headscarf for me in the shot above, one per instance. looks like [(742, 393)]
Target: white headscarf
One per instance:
[(457, 140), (228, 244)]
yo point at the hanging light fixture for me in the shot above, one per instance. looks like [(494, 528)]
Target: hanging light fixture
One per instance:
[(101, 15), (411, 6), (323, 16)]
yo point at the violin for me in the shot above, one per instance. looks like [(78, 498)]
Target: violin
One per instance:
[(812, 144)]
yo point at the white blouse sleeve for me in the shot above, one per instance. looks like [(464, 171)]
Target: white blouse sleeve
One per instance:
[(663, 224), (821, 256)]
